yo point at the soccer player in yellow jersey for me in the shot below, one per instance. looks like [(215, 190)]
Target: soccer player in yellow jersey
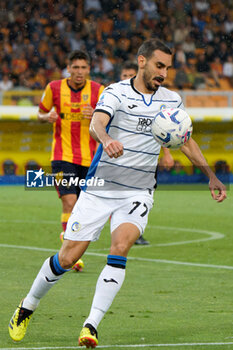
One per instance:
[(69, 104)]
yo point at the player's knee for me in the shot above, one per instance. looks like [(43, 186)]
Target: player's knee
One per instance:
[(120, 248), (68, 203)]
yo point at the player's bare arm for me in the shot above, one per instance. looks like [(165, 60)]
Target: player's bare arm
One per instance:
[(50, 117), (194, 154), (113, 148), (168, 160)]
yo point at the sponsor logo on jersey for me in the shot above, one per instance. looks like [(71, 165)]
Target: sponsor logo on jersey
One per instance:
[(144, 124)]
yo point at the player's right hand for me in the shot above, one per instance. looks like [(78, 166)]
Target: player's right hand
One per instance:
[(52, 117), (113, 148)]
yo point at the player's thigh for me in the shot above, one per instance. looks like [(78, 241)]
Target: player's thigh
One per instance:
[(88, 217), (80, 173), (134, 210), (67, 171)]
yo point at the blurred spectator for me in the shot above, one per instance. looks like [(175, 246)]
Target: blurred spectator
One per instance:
[(228, 69), (210, 54), (202, 5), (203, 67), (179, 57), (6, 84), (223, 52), (216, 68), (189, 47), (181, 80), (92, 6), (228, 23), (19, 63), (101, 64), (150, 8), (181, 33), (196, 80), (76, 42), (104, 27)]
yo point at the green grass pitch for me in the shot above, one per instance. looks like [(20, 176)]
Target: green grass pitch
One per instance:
[(177, 291)]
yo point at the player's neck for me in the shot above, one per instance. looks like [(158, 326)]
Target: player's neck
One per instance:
[(75, 86), (140, 86)]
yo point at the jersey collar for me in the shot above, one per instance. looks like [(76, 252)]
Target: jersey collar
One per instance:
[(67, 80), (138, 92)]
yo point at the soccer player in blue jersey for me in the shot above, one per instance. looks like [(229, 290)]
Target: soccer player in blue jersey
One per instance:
[(128, 71), (126, 159)]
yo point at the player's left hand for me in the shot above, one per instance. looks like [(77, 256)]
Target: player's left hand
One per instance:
[(87, 111), (216, 185)]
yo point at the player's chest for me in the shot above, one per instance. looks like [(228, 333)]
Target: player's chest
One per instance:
[(137, 117)]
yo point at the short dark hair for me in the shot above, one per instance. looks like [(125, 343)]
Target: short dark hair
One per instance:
[(130, 65), (149, 46), (79, 55)]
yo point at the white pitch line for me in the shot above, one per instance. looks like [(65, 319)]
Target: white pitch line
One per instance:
[(213, 235), (123, 346), (163, 261)]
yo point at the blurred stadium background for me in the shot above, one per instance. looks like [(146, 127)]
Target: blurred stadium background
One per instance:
[(35, 38)]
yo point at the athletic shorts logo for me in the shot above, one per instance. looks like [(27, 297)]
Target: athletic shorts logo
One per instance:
[(75, 226)]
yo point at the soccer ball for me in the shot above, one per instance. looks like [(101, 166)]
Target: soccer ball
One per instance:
[(172, 127), (78, 266)]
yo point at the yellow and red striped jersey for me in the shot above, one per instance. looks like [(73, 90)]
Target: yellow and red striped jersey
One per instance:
[(71, 139)]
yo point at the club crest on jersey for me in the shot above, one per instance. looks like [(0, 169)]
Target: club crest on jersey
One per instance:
[(75, 226), (162, 107), (144, 124), (85, 97)]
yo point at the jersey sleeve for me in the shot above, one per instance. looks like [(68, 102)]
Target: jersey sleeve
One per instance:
[(109, 101), (46, 102), (180, 103)]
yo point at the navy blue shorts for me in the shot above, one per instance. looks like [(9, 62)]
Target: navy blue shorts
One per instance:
[(66, 170)]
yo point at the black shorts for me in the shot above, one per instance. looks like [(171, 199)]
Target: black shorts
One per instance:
[(66, 170)]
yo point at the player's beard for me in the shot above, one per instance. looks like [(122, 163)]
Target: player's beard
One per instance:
[(148, 81)]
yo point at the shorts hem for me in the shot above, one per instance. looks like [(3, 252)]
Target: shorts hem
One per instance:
[(141, 230)]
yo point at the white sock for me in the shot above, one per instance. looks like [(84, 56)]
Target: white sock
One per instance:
[(41, 285), (108, 285)]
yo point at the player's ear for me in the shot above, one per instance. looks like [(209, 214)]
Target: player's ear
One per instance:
[(141, 61), (68, 68)]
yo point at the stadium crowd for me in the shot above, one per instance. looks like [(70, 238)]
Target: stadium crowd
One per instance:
[(35, 38)]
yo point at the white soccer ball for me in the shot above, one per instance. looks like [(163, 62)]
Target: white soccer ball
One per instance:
[(172, 127)]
